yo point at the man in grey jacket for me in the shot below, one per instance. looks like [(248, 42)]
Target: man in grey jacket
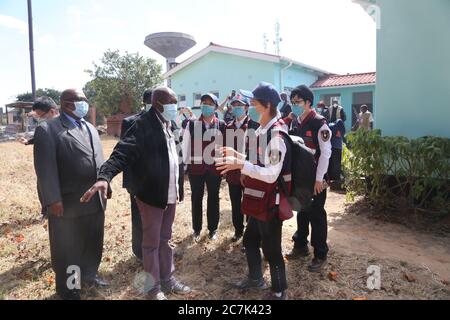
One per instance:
[(67, 157)]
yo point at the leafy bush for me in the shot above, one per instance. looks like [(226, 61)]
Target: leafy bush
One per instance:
[(395, 172)]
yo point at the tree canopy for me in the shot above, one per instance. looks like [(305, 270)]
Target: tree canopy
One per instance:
[(51, 93), (120, 79)]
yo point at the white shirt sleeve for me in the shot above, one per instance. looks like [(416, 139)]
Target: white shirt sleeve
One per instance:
[(325, 153), (273, 158), (186, 145)]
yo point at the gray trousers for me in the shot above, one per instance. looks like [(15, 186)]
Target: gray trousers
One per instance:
[(156, 251)]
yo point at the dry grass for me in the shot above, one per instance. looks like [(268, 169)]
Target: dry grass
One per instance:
[(210, 268)]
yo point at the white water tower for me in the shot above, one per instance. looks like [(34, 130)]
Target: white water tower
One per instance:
[(170, 45)]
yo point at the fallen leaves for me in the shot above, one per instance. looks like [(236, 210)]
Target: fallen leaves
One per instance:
[(50, 280), (7, 231), (409, 277), (20, 238), (30, 275), (332, 276), (360, 299)]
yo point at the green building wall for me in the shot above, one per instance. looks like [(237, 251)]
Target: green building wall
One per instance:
[(413, 68)]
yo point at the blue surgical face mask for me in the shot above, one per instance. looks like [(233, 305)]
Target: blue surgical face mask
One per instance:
[(207, 110), (148, 107), (297, 109), (253, 114), (238, 112), (81, 109), (170, 112)]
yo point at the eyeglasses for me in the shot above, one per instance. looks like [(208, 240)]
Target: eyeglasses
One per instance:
[(299, 101)]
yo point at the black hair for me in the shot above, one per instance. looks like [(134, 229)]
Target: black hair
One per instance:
[(268, 104), (147, 98), (44, 104), (298, 92)]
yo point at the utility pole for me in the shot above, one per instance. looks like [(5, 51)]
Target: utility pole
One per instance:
[(30, 36)]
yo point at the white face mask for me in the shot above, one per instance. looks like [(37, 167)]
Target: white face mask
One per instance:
[(81, 109), (170, 112), (148, 107)]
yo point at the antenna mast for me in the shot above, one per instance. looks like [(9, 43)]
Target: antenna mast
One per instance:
[(278, 39)]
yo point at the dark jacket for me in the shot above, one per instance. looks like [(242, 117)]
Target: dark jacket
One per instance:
[(338, 134), (228, 116), (144, 151), (127, 123), (285, 110), (66, 166)]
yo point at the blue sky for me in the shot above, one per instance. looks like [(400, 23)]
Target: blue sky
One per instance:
[(335, 35)]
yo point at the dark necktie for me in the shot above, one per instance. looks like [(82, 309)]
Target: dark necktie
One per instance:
[(84, 132)]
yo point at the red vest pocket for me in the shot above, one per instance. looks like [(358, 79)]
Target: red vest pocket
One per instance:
[(257, 198)]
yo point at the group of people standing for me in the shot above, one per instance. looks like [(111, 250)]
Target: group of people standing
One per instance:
[(154, 153)]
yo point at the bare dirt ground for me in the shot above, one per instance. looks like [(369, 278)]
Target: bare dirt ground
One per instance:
[(414, 265)]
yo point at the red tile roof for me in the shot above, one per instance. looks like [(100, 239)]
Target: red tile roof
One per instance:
[(334, 80)]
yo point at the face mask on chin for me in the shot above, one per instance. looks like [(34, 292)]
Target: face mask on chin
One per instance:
[(40, 120)]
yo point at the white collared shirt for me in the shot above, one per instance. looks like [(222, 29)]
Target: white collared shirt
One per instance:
[(238, 123), (173, 163), (186, 145), (272, 169), (325, 151)]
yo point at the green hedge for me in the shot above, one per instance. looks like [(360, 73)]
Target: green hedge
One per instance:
[(395, 172)]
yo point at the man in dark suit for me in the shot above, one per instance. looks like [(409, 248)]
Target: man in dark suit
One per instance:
[(136, 223), (67, 157), (44, 108), (149, 151), (286, 108)]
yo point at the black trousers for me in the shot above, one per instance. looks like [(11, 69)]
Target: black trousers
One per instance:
[(334, 169), (136, 229), (76, 242), (197, 192), (268, 236), (317, 217), (236, 191)]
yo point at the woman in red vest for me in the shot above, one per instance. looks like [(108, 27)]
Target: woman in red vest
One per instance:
[(235, 138), (263, 201), (199, 143)]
